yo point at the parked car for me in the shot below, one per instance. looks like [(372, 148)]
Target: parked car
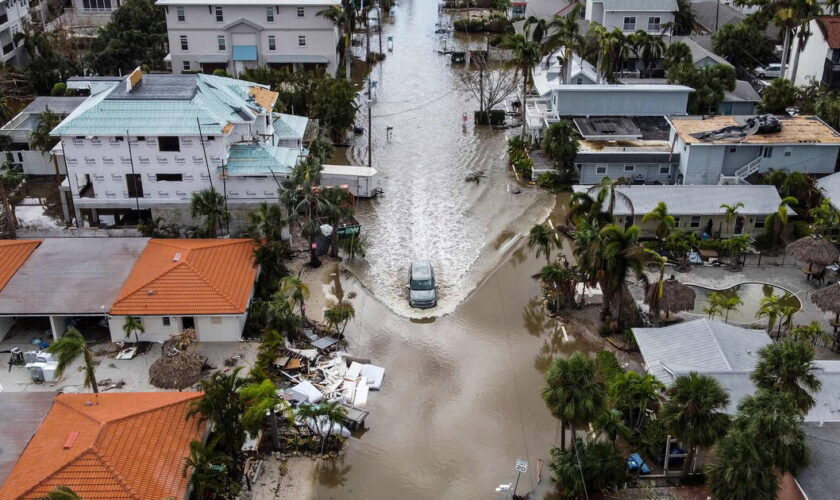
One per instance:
[(773, 70), (422, 289)]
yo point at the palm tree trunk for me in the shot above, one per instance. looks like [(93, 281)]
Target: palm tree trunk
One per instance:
[(785, 49), (574, 432), (4, 196), (689, 459), (90, 372), (562, 435), (524, 97)]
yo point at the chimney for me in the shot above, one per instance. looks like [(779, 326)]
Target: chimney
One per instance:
[(71, 438), (134, 79)]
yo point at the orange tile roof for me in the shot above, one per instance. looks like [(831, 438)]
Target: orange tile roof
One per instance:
[(129, 446), (189, 277), (13, 253)]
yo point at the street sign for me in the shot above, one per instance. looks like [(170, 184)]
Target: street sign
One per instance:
[(521, 465), (348, 230)]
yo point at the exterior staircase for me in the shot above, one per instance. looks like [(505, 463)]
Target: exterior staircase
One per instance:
[(740, 175)]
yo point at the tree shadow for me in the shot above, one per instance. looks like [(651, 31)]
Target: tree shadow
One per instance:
[(333, 473)]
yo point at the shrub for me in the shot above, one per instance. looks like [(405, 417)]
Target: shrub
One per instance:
[(524, 167), (607, 366), (764, 241), (801, 229)]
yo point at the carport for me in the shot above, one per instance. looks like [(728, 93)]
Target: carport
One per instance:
[(64, 278)]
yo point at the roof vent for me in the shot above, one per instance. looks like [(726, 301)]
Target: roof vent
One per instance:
[(71, 438), (150, 292), (177, 257)]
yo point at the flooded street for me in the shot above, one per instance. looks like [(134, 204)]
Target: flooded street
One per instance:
[(428, 211)]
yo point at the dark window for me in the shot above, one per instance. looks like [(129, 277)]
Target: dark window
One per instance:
[(140, 138), (134, 183), (181, 16), (768, 151), (695, 221), (166, 321), (759, 222), (169, 177), (220, 16), (185, 44), (169, 144)]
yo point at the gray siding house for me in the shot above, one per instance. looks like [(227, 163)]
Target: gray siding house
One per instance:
[(234, 35)]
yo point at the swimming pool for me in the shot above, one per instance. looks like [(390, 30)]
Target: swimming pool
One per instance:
[(750, 293)]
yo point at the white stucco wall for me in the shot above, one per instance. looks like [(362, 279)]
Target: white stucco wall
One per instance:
[(208, 328), (811, 59)]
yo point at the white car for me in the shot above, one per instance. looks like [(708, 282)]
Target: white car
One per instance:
[(773, 70)]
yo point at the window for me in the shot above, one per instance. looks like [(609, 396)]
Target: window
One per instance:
[(166, 321), (654, 23), (141, 138), (187, 66), (182, 16), (676, 222), (630, 23), (220, 15), (600, 169), (221, 39), (759, 222), (302, 41), (768, 151), (664, 169), (269, 14), (733, 149), (300, 11), (185, 44), (695, 221), (788, 151), (629, 168), (96, 5), (169, 144), (272, 42), (169, 177), (134, 184)]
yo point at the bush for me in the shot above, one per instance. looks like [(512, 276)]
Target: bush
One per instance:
[(221, 72), (719, 245), (549, 181), (764, 241), (801, 229), (524, 167), (607, 366), (590, 467), (59, 89)]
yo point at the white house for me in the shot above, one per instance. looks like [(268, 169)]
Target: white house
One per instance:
[(237, 34), (14, 15), (819, 58), (633, 15), (143, 145)]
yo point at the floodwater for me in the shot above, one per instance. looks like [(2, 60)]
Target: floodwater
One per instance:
[(461, 397), (750, 293), (428, 211)]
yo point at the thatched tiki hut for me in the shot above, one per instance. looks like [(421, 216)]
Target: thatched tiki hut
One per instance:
[(828, 300), (814, 250), (675, 297), (176, 372)]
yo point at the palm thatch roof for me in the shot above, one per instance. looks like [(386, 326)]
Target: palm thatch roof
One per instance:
[(827, 298), (676, 297), (176, 372), (814, 249)]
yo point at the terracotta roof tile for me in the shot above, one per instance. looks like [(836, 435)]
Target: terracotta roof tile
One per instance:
[(130, 445), (830, 27), (13, 253), (175, 277)]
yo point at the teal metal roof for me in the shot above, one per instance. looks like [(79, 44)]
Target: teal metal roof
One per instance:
[(244, 52), (289, 126), (260, 159), (165, 105)]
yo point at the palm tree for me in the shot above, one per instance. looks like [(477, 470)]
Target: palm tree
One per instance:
[(340, 201), (587, 251), (271, 343), (622, 254), (61, 493), (335, 413), (695, 413), (206, 468), (211, 205), (223, 406), (633, 394), (775, 422), (67, 349), (731, 212), (742, 470), (10, 179), (134, 325), (41, 140), (540, 28), (542, 239), (562, 281), (266, 223), (777, 222), (789, 367), (573, 393), (261, 398), (305, 202), (611, 423), (665, 221), (653, 310), (525, 55), (279, 314), (649, 48), (770, 308), (297, 291), (339, 313), (587, 468), (730, 303), (565, 32), (341, 17), (810, 334)]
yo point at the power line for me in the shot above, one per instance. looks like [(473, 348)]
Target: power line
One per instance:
[(416, 107)]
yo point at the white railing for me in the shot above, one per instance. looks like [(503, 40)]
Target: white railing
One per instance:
[(748, 169)]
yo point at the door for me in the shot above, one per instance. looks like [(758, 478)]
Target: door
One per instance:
[(739, 225), (188, 322), (134, 184)]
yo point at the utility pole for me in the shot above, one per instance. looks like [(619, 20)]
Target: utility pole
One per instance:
[(379, 23), (370, 125), (717, 15)]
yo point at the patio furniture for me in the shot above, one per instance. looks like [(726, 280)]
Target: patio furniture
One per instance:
[(636, 463), (814, 250)]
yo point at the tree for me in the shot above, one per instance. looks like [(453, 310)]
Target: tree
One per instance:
[(810, 334), (133, 324), (611, 424), (341, 18), (780, 95), (260, 398), (561, 281), (336, 106), (826, 220), (266, 223), (665, 221), (726, 302), (709, 84), (324, 414), (742, 44), (62, 493), (525, 55), (271, 257), (633, 394), (41, 140), (649, 48), (542, 239), (587, 251), (560, 145), (684, 19), (695, 413), (339, 314), (770, 307), (622, 254), (775, 423), (777, 222), (742, 471), (334, 414), (135, 36), (68, 349), (207, 468), (564, 31), (341, 201), (788, 367), (677, 53), (488, 83), (827, 107), (586, 468), (279, 314), (297, 291), (573, 393), (223, 406), (10, 179), (212, 206), (731, 211)]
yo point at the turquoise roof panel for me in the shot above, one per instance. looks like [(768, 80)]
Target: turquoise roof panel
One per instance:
[(289, 126), (251, 159)]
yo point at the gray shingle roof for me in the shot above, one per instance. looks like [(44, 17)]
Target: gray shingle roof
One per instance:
[(705, 12), (820, 478), (830, 186), (58, 105), (744, 92), (698, 49), (696, 199), (641, 5)]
